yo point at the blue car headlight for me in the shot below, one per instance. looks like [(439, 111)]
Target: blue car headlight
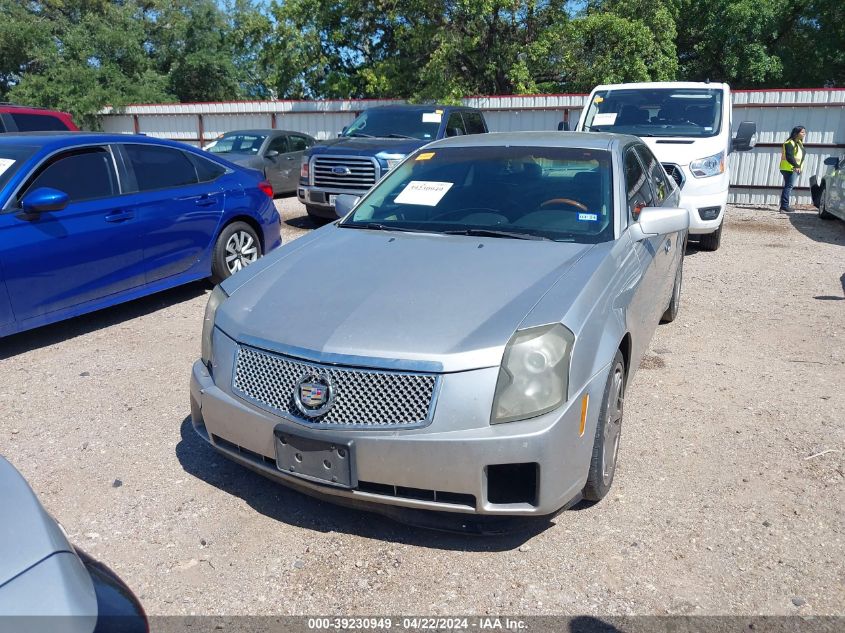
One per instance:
[(534, 375)]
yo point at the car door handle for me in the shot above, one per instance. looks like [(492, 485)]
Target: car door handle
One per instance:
[(289, 158), (119, 216), (667, 246)]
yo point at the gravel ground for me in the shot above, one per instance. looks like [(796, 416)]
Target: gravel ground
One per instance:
[(728, 498)]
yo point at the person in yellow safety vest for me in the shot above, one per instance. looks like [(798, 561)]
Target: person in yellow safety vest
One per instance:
[(791, 160)]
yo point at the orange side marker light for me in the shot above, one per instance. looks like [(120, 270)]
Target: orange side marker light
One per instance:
[(585, 404)]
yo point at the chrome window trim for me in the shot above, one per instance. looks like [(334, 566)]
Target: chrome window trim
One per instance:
[(306, 423)]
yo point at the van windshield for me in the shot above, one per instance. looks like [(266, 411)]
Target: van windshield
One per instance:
[(691, 112)]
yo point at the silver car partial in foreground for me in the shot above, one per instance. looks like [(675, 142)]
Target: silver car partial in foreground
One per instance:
[(462, 340)]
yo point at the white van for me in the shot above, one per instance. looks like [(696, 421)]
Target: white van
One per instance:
[(687, 125)]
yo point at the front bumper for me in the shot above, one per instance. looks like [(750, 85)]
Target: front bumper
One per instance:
[(317, 199), (706, 197), (398, 470)]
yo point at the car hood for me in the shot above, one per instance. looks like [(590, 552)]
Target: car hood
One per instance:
[(397, 300), (28, 534), (368, 146), (683, 150)]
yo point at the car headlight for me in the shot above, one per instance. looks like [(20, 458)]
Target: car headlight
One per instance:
[(217, 297), (303, 168), (391, 160), (709, 166), (534, 376)]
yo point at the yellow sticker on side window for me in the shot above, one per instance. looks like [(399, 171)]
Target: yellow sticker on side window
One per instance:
[(598, 99), (425, 156)]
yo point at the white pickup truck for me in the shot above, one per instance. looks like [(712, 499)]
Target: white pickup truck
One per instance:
[(687, 125)]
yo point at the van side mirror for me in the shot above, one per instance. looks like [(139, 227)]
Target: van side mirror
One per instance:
[(44, 199), (563, 126), (746, 137)]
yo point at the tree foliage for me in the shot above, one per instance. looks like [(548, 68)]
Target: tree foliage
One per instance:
[(80, 55)]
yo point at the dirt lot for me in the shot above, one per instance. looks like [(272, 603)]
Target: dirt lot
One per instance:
[(728, 499)]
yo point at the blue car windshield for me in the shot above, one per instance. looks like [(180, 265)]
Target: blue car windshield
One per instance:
[(12, 157), (554, 193), (691, 112), (396, 123)]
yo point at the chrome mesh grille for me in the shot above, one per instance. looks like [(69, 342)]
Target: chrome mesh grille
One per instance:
[(676, 173), (363, 397), (360, 173)]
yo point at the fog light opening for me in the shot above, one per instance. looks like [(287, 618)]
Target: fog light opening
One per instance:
[(513, 483), (709, 213)]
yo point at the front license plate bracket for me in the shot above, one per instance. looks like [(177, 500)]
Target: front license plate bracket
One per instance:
[(323, 461)]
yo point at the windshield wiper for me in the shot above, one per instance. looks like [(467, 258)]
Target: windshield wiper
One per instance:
[(361, 135), (375, 226), (494, 233), (394, 135)]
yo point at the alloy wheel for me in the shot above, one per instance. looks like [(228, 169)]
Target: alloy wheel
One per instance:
[(613, 424), (241, 250)]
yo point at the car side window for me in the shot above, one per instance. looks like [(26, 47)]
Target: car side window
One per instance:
[(298, 143), (158, 167), (207, 170), (85, 174), (637, 186), (474, 122), (660, 185), (279, 144), (37, 122), (455, 125)]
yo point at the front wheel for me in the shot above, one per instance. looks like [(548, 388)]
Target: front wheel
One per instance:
[(823, 212), (236, 247), (608, 433), (675, 302), (711, 241)]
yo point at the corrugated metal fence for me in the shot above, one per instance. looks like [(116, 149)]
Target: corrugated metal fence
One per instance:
[(755, 178)]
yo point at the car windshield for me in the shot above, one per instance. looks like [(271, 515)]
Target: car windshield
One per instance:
[(397, 123), (656, 112), (562, 194), (238, 144), (11, 160)]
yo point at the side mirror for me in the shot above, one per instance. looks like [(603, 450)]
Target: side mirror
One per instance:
[(344, 203), (44, 199), (563, 126), (831, 161), (271, 153), (659, 221), (746, 137)]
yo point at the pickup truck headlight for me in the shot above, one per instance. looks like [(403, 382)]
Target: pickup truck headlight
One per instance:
[(303, 168), (708, 166), (534, 376), (391, 160), (217, 297)]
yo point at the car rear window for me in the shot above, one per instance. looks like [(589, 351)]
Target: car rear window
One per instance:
[(160, 167), (37, 122), (207, 170)]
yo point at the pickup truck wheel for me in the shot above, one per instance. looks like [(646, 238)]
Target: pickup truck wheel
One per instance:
[(675, 302), (608, 433), (711, 241), (315, 218), (823, 212), (236, 247)]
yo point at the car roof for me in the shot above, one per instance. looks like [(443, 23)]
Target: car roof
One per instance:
[(582, 140), (418, 107), (59, 139), (267, 131)]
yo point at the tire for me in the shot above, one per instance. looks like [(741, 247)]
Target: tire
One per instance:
[(315, 217), (608, 433), (711, 241), (675, 302), (237, 246), (823, 213)]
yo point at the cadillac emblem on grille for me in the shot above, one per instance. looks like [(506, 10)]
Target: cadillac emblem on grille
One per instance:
[(314, 394)]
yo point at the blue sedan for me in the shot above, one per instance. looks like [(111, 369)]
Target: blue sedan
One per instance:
[(91, 220)]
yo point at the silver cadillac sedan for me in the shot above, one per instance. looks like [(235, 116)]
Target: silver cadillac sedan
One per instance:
[(461, 341)]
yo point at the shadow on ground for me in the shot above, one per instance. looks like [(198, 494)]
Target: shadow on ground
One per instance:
[(282, 504), (87, 323), (818, 230)]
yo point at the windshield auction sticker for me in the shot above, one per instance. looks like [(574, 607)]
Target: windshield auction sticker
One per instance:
[(432, 117), (423, 192), (604, 118), (5, 163)]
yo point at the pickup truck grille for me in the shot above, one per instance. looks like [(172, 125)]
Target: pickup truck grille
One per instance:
[(344, 172)]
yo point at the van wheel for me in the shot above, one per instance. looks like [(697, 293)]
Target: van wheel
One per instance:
[(608, 433), (823, 212), (711, 241), (237, 246), (675, 302)]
